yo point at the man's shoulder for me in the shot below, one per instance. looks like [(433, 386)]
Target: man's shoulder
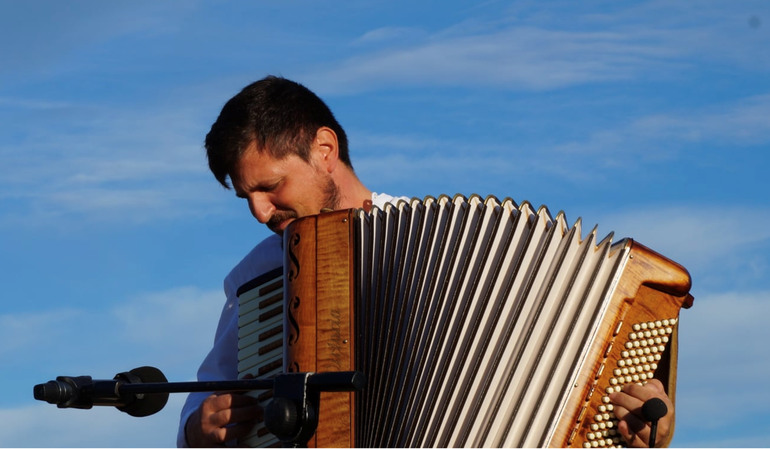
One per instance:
[(266, 256)]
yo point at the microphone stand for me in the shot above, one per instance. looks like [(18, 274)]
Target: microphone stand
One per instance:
[(292, 414)]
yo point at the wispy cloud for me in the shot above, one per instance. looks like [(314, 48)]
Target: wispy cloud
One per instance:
[(703, 238), (47, 426), (527, 49), (21, 332), (638, 143), (105, 164), (174, 327)]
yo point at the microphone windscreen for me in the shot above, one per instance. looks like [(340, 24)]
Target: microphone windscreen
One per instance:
[(654, 409)]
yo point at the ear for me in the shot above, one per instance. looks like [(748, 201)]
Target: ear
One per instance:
[(325, 151)]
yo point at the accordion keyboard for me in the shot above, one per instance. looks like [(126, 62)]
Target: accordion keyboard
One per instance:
[(260, 343)]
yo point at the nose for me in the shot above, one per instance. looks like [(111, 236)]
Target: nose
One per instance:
[(261, 208)]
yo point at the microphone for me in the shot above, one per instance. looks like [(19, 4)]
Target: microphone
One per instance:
[(84, 393), (652, 410)]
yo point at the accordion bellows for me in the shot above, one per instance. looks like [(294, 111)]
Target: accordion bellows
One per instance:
[(477, 322)]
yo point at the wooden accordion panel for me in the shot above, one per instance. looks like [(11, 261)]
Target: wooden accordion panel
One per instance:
[(477, 323)]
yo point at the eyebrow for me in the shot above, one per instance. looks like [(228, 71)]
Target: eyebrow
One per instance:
[(260, 187)]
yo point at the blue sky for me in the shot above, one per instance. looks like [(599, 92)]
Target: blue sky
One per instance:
[(650, 118)]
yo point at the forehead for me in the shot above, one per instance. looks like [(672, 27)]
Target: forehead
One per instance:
[(259, 168)]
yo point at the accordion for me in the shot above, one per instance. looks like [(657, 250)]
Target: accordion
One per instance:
[(477, 322)]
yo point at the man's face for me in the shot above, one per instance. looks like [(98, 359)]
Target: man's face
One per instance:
[(281, 190)]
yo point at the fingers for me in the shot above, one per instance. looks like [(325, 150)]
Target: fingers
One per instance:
[(633, 429), (221, 418), (628, 409)]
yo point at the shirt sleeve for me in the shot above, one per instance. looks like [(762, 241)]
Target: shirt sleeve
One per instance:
[(220, 364), (222, 361)]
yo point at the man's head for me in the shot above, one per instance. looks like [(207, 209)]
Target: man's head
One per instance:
[(284, 152), (282, 117)]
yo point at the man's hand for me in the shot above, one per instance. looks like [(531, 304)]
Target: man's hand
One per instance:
[(221, 418), (628, 408)]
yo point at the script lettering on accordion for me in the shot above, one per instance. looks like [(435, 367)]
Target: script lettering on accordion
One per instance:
[(294, 329), (335, 344)]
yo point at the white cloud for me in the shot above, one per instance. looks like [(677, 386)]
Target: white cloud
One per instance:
[(179, 319), (389, 34), (172, 329), (45, 425), (133, 166), (531, 48), (20, 332), (638, 143), (697, 237), (745, 122)]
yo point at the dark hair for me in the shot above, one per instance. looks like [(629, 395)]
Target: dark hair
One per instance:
[(282, 116)]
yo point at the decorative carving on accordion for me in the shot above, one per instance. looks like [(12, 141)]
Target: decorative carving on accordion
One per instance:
[(294, 329), (292, 271)]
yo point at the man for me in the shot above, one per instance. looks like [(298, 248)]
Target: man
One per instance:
[(286, 155)]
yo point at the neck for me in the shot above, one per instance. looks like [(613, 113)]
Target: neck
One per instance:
[(353, 193)]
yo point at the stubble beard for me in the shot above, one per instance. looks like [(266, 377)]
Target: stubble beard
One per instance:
[(331, 195), (331, 200)]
